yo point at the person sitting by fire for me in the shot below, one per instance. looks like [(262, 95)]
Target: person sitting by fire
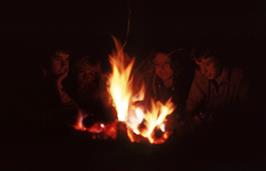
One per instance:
[(86, 94), (170, 78), (217, 90), (56, 101), (90, 91)]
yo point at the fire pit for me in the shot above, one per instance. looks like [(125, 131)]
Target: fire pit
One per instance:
[(141, 123)]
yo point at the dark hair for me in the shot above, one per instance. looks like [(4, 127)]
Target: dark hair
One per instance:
[(87, 60), (177, 58), (57, 51), (155, 54), (197, 53), (48, 55)]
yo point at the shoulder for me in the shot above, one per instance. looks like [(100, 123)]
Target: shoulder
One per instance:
[(237, 74)]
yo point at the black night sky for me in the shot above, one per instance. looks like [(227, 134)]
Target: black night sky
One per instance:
[(29, 31)]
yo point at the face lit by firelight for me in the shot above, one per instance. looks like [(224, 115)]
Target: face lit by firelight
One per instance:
[(162, 66), (60, 63), (209, 67)]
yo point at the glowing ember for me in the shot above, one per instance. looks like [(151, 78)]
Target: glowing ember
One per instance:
[(103, 130)]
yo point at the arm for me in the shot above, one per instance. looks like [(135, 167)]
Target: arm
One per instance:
[(196, 94), (65, 99)]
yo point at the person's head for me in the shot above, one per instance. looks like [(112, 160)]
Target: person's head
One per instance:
[(209, 64), (162, 66), (88, 70), (59, 62)]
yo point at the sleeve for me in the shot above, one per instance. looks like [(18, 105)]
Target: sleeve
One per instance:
[(196, 94)]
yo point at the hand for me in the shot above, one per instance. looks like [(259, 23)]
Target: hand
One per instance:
[(59, 81), (62, 76)]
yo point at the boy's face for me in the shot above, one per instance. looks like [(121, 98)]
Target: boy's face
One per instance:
[(88, 73), (60, 64), (209, 67)]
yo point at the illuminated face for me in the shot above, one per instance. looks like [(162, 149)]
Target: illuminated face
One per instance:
[(60, 64), (87, 74), (162, 67), (209, 67)]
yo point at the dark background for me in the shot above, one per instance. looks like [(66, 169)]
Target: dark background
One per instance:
[(29, 31)]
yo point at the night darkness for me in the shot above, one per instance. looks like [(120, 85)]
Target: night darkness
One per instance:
[(30, 31)]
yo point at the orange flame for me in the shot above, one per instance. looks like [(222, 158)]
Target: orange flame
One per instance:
[(121, 82), (125, 98), (142, 124)]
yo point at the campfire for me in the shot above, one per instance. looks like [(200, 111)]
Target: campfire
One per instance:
[(142, 122)]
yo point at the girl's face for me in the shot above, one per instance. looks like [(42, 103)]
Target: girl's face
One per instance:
[(163, 68)]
